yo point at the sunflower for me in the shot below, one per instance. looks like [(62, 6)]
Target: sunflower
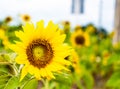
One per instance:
[(2, 33), (4, 38), (92, 58), (25, 18), (80, 38), (75, 62), (106, 55), (116, 46), (6, 42), (112, 34), (8, 19), (91, 29), (77, 28), (41, 50), (66, 27)]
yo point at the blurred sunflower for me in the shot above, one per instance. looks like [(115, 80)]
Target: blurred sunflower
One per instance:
[(41, 50), (25, 18), (92, 58), (112, 34), (75, 62), (6, 42), (116, 46), (4, 38), (91, 29), (66, 26), (80, 38), (8, 19), (106, 55), (2, 33), (77, 28)]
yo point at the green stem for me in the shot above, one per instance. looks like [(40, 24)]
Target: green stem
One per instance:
[(5, 63), (40, 84), (46, 84), (15, 69)]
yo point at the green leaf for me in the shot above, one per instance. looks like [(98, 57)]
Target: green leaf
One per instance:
[(11, 56), (12, 83), (25, 80), (114, 58), (114, 80), (32, 84), (63, 78), (7, 69), (1, 58), (3, 81), (4, 78), (3, 69), (88, 79), (2, 86)]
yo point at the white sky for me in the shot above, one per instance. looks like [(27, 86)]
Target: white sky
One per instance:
[(58, 10)]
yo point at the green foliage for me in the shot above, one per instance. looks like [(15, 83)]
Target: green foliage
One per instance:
[(114, 58), (114, 80), (64, 78), (4, 78), (101, 58), (32, 84), (12, 83)]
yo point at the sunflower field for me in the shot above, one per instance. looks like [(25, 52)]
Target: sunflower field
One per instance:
[(57, 56)]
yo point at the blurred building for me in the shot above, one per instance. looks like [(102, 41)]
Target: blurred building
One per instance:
[(84, 11), (117, 22), (78, 6), (98, 12)]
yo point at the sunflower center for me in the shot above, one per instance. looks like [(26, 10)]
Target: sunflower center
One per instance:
[(80, 40), (39, 53), (26, 18), (8, 19)]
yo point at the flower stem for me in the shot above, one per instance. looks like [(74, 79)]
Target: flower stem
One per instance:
[(40, 84), (46, 84)]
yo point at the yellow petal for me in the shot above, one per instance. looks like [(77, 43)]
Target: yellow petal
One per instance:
[(28, 28), (43, 72), (30, 69), (17, 48), (58, 66), (62, 61), (58, 40), (40, 25), (50, 75), (62, 51), (37, 73), (23, 73), (50, 24), (21, 59)]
